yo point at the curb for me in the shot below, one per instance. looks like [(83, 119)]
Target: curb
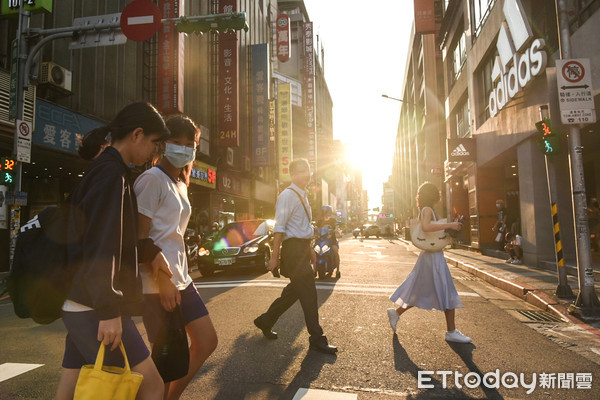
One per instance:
[(528, 293)]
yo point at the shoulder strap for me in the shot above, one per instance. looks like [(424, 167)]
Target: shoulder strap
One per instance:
[(435, 217), (301, 202)]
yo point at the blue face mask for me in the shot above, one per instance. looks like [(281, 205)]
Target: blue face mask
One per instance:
[(179, 156)]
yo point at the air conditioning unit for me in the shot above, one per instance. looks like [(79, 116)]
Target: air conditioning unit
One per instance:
[(56, 76)]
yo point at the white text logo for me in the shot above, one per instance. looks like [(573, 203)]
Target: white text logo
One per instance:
[(460, 150), (509, 79)]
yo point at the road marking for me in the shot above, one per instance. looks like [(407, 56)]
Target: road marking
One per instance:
[(348, 288), (10, 370), (316, 394), (376, 254)]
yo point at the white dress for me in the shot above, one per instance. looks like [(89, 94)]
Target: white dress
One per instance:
[(429, 285)]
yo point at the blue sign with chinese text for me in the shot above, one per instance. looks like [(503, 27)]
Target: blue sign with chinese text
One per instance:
[(58, 127)]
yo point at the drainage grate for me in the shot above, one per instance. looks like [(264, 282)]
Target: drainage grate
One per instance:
[(466, 278), (539, 316)]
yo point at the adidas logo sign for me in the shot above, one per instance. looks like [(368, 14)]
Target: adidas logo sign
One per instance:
[(459, 151), (527, 63)]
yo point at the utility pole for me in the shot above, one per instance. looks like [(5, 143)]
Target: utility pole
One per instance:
[(587, 303)]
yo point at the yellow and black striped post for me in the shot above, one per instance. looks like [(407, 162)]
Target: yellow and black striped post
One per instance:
[(560, 261)]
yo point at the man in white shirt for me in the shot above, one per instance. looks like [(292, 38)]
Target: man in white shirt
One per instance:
[(293, 234)]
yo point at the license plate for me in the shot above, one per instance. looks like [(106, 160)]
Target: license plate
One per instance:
[(224, 261)]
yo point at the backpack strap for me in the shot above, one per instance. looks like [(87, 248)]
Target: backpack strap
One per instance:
[(301, 202)]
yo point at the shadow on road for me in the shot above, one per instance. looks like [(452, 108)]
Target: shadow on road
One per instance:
[(465, 351), (311, 367), (435, 388)]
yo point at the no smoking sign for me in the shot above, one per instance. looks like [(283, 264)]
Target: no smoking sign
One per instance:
[(575, 92)]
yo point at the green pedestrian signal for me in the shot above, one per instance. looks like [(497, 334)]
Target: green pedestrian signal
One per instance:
[(548, 141)]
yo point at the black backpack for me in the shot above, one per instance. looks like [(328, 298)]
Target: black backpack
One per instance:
[(40, 277)]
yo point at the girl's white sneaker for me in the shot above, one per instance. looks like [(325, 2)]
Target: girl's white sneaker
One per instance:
[(393, 317), (457, 336)]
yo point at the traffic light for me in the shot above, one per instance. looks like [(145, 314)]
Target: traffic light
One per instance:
[(213, 23), (548, 141), (7, 171)]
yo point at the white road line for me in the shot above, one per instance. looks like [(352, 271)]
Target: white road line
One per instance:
[(348, 288), (10, 370), (316, 394)]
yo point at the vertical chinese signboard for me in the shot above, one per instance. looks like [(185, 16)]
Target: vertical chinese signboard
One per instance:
[(424, 16), (284, 129), (260, 104), (228, 82), (283, 37), (170, 60), (309, 98)]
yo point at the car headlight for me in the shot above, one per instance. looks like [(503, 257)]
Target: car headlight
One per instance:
[(251, 249), (325, 249), (203, 252)]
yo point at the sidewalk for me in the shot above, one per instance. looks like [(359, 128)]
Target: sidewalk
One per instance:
[(534, 285)]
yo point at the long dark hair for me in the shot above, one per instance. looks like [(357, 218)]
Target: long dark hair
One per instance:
[(135, 115), (182, 126), (427, 195)]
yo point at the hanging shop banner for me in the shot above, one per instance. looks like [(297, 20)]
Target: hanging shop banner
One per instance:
[(309, 90), (424, 17), (260, 104), (461, 149), (170, 60), (204, 175), (284, 47), (228, 82), (35, 6), (284, 129), (58, 127)]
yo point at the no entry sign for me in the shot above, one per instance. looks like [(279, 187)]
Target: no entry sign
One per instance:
[(140, 20)]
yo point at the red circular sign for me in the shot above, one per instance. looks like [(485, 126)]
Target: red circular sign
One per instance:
[(573, 71), (24, 129), (140, 20)]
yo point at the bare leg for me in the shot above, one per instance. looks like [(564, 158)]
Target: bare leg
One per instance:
[(401, 310), (450, 326), (203, 338), (66, 385), (152, 387)]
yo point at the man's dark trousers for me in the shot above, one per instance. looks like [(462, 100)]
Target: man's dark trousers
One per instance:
[(295, 264)]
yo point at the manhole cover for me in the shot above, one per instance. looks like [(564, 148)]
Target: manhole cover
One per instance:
[(539, 316)]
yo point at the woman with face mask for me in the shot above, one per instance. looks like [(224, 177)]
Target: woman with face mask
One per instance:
[(164, 212)]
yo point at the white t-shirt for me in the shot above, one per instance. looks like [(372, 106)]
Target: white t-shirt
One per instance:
[(166, 203)]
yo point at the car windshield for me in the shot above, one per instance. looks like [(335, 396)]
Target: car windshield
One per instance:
[(237, 233)]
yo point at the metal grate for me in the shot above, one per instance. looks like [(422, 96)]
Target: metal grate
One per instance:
[(539, 316)]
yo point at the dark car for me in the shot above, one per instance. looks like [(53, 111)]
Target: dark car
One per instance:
[(238, 244)]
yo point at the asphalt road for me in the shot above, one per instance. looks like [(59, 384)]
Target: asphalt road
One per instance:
[(556, 360)]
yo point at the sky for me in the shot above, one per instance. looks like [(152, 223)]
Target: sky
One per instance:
[(366, 45)]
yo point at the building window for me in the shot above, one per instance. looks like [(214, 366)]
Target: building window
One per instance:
[(480, 10), (459, 56), (485, 88), (462, 118)]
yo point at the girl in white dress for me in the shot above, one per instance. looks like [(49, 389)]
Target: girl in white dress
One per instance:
[(429, 286)]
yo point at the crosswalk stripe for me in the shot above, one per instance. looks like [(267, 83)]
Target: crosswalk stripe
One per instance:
[(348, 288), (10, 370), (316, 394)]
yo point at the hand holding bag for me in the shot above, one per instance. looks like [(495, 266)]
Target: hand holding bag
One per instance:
[(428, 241), (98, 382), (170, 351)]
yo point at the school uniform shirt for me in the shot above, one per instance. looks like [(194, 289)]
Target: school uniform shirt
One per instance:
[(102, 234), (165, 201), (290, 217)]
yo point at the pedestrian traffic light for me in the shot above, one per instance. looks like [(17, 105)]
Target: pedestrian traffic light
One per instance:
[(548, 141), (7, 171), (215, 23)]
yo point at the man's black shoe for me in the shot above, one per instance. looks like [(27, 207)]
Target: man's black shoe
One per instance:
[(267, 332), (323, 348)]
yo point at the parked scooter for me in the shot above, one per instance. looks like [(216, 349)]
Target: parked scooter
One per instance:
[(192, 245), (325, 264)]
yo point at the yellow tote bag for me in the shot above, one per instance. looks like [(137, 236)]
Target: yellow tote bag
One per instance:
[(100, 382)]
